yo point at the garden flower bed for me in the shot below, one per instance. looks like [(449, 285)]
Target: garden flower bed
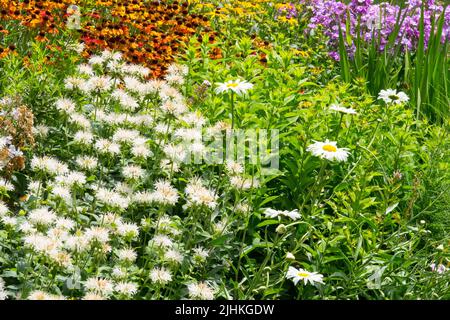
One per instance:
[(189, 150)]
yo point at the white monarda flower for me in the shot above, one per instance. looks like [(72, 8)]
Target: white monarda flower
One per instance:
[(243, 183), (168, 167), (218, 128), (220, 227), (189, 134), (198, 195), (126, 288), (97, 84), (65, 105), (74, 178), (61, 258), (9, 221), (99, 285), (85, 69), (238, 86), (71, 83), (126, 101), (307, 277), (234, 168), (197, 148), (77, 243), (174, 79), (173, 256), (162, 241), (125, 135), (272, 213), (112, 198), (99, 234), (39, 295), (34, 186), (87, 162), (164, 193), (48, 165), (339, 108), (83, 137), (64, 223), (168, 93), (328, 150), (141, 151), (124, 188), (126, 255), (119, 273), (143, 197), (201, 291), (3, 292), (92, 296), (180, 69), (41, 243), (62, 192), (132, 83), (42, 216), (57, 233), (141, 120), (194, 119), (3, 209), (80, 120), (135, 69), (41, 130), (110, 219), (129, 230), (105, 146), (133, 172), (175, 108), (243, 207), (96, 60), (5, 185), (391, 96), (160, 276)]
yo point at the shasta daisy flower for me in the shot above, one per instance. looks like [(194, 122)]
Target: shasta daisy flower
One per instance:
[(339, 108), (271, 213), (328, 150), (297, 275), (238, 86), (391, 96)]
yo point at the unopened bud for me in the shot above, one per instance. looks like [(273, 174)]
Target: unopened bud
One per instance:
[(281, 229), (290, 256)]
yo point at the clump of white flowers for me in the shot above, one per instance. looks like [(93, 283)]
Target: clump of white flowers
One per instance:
[(124, 209)]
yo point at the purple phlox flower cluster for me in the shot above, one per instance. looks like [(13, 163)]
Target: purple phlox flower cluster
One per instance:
[(376, 22)]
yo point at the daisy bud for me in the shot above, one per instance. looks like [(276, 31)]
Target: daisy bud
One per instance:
[(290, 256), (281, 229)]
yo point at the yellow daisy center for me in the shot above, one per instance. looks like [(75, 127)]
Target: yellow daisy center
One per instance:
[(329, 148), (232, 85), (303, 274)]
